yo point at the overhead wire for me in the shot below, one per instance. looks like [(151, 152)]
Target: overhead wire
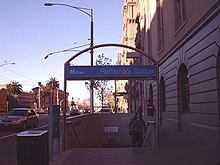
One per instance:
[(44, 51), (22, 57), (20, 74)]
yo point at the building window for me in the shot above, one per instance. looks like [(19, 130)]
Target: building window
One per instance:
[(183, 89), (180, 12), (131, 9), (160, 32), (138, 34), (162, 95)]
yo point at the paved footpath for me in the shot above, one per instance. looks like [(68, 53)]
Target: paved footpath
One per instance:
[(175, 149)]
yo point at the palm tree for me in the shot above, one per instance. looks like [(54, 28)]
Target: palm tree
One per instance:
[(44, 92), (52, 85), (14, 88)]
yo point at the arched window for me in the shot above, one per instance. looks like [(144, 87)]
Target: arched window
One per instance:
[(183, 89), (162, 95)]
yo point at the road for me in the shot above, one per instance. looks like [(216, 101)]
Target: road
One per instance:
[(8, 145)]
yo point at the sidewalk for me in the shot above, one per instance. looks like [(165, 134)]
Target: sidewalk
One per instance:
[(175, 149)]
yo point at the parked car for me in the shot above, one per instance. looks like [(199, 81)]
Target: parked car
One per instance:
[(74, 112), (105, 110), (20, 118)]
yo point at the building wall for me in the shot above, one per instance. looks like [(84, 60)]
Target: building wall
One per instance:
[(130, 29), (199, 54), (26, 99), (195, 44)]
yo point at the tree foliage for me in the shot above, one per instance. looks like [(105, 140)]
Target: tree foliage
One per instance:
[(52, 85), (109, 99), (14, 88), (101, 87), (44, 93)]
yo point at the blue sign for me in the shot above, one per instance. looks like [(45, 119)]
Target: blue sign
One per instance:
[(116, 72)]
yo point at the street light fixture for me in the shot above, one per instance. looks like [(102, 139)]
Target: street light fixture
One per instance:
[(65, 50), (90, 14), (6, 63)]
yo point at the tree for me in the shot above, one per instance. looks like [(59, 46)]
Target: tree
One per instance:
[(12, 102), (109, 99), (14, 88), (101, 87), (52, 85), (44, 93)]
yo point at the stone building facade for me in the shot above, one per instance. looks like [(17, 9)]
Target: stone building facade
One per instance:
[(184, 37)]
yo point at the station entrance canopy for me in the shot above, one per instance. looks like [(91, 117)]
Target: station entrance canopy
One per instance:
[(119, 72)]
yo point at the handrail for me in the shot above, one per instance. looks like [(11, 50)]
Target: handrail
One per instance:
[(145, 135), (77, 137)]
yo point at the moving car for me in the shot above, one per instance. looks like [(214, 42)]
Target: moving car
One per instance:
[(86, 110), (20, 118)]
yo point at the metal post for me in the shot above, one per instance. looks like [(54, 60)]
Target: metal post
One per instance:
[(39, 84), (51, 131), (115, 97), (64, 113), (91, 53), (83, 10)]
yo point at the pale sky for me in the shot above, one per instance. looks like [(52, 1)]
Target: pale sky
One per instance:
[(29, 31)]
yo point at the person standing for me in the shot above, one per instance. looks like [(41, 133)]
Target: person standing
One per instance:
[(137, 128)]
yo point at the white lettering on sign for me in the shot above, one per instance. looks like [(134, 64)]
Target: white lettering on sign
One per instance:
[(75, 72), (115, 71), (110, 129), (143, 71), (135, 71)]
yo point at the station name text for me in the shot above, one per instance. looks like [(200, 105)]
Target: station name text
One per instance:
[(109, 71), (134, 71)]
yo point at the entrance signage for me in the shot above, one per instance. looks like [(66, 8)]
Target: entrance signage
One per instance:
[(111, 129), (148, 72), (110, 72)]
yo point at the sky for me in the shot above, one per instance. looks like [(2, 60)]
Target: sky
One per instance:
[(29, 31)]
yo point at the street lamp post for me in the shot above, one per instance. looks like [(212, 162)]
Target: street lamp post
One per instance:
[(90, 14)]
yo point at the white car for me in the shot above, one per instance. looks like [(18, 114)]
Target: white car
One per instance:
[(20, 117)]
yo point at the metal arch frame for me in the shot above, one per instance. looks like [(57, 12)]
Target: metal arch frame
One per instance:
[(67, 63), (111, 45)]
